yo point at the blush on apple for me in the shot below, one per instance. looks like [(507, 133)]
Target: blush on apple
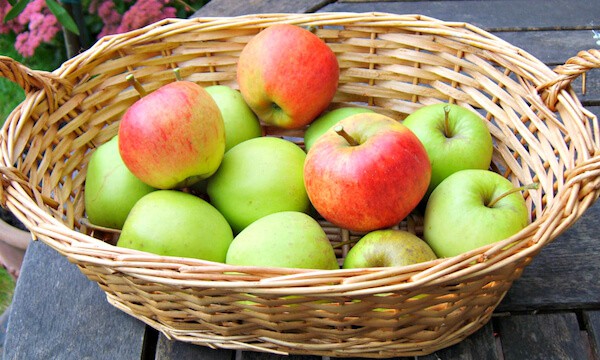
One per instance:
[(368, 172), (173, 137), (287, 75), (326, 121)]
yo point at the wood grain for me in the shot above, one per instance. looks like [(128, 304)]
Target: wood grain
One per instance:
[(541, 336)]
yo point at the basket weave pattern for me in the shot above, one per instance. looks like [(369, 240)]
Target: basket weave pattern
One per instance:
[(392, 64)]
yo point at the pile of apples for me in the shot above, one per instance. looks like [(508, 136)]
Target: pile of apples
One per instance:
[(191, 173)]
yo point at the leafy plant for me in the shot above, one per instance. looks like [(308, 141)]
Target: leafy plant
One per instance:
[(48, 57), (7, 289), (39, 21), (55, 8)]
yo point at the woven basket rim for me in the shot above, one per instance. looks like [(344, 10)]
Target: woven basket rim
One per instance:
[(275, 278)]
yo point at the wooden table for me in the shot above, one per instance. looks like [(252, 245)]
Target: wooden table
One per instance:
[(551, 312)]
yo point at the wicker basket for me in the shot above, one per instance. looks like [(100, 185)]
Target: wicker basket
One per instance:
[(392, 64)]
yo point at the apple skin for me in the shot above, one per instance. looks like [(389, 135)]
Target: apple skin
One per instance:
[(111, 189), (288, 239), (287, 75), (389, 247), (370, 186), (326, 121), (240, 122), (173, 137), (174, 223), (457, 218), (469, 146), (258, 177)]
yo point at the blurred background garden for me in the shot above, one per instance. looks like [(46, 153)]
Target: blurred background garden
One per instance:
[(42, 34)]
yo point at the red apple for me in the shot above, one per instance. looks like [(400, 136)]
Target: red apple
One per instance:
[(173, 137), (366, 173), (287, 75)]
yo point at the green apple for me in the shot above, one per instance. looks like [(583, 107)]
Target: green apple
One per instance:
[(455, 138), (240, 122), (326, 121), (110, 189), (287, 239), (470, 209), (388, 247), (258, 177), (174, 223)]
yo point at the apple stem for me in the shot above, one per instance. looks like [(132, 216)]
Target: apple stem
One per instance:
[(447, 121), (340, 130), (177, 74), (531, 186), (136, 84)]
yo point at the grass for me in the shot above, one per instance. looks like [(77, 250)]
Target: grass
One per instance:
[(7, 288)]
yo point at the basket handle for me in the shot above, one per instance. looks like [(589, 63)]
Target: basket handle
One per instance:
[(577, 65), (33, 80)]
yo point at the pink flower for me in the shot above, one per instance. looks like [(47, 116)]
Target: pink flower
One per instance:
[(12, 25), (34, 7), (109, 15), (36, 24), (41, 27), (146, 12)]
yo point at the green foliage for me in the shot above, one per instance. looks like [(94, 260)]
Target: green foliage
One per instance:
[(48, 57), (61, 14), (7, 289), (16, 10)]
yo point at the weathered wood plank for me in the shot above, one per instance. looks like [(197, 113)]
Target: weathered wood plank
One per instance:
[(236, 8), (170, 349), (549, 281), (480, 345), (541, 336), (551, 47), (67, 324), (491, 15), (592, 95), (57, 313), (591, 321), (252, 355)]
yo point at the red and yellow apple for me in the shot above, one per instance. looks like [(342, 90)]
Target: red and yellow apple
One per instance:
[(326, 121), (173, 137), (287, 75), (368, 172)]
